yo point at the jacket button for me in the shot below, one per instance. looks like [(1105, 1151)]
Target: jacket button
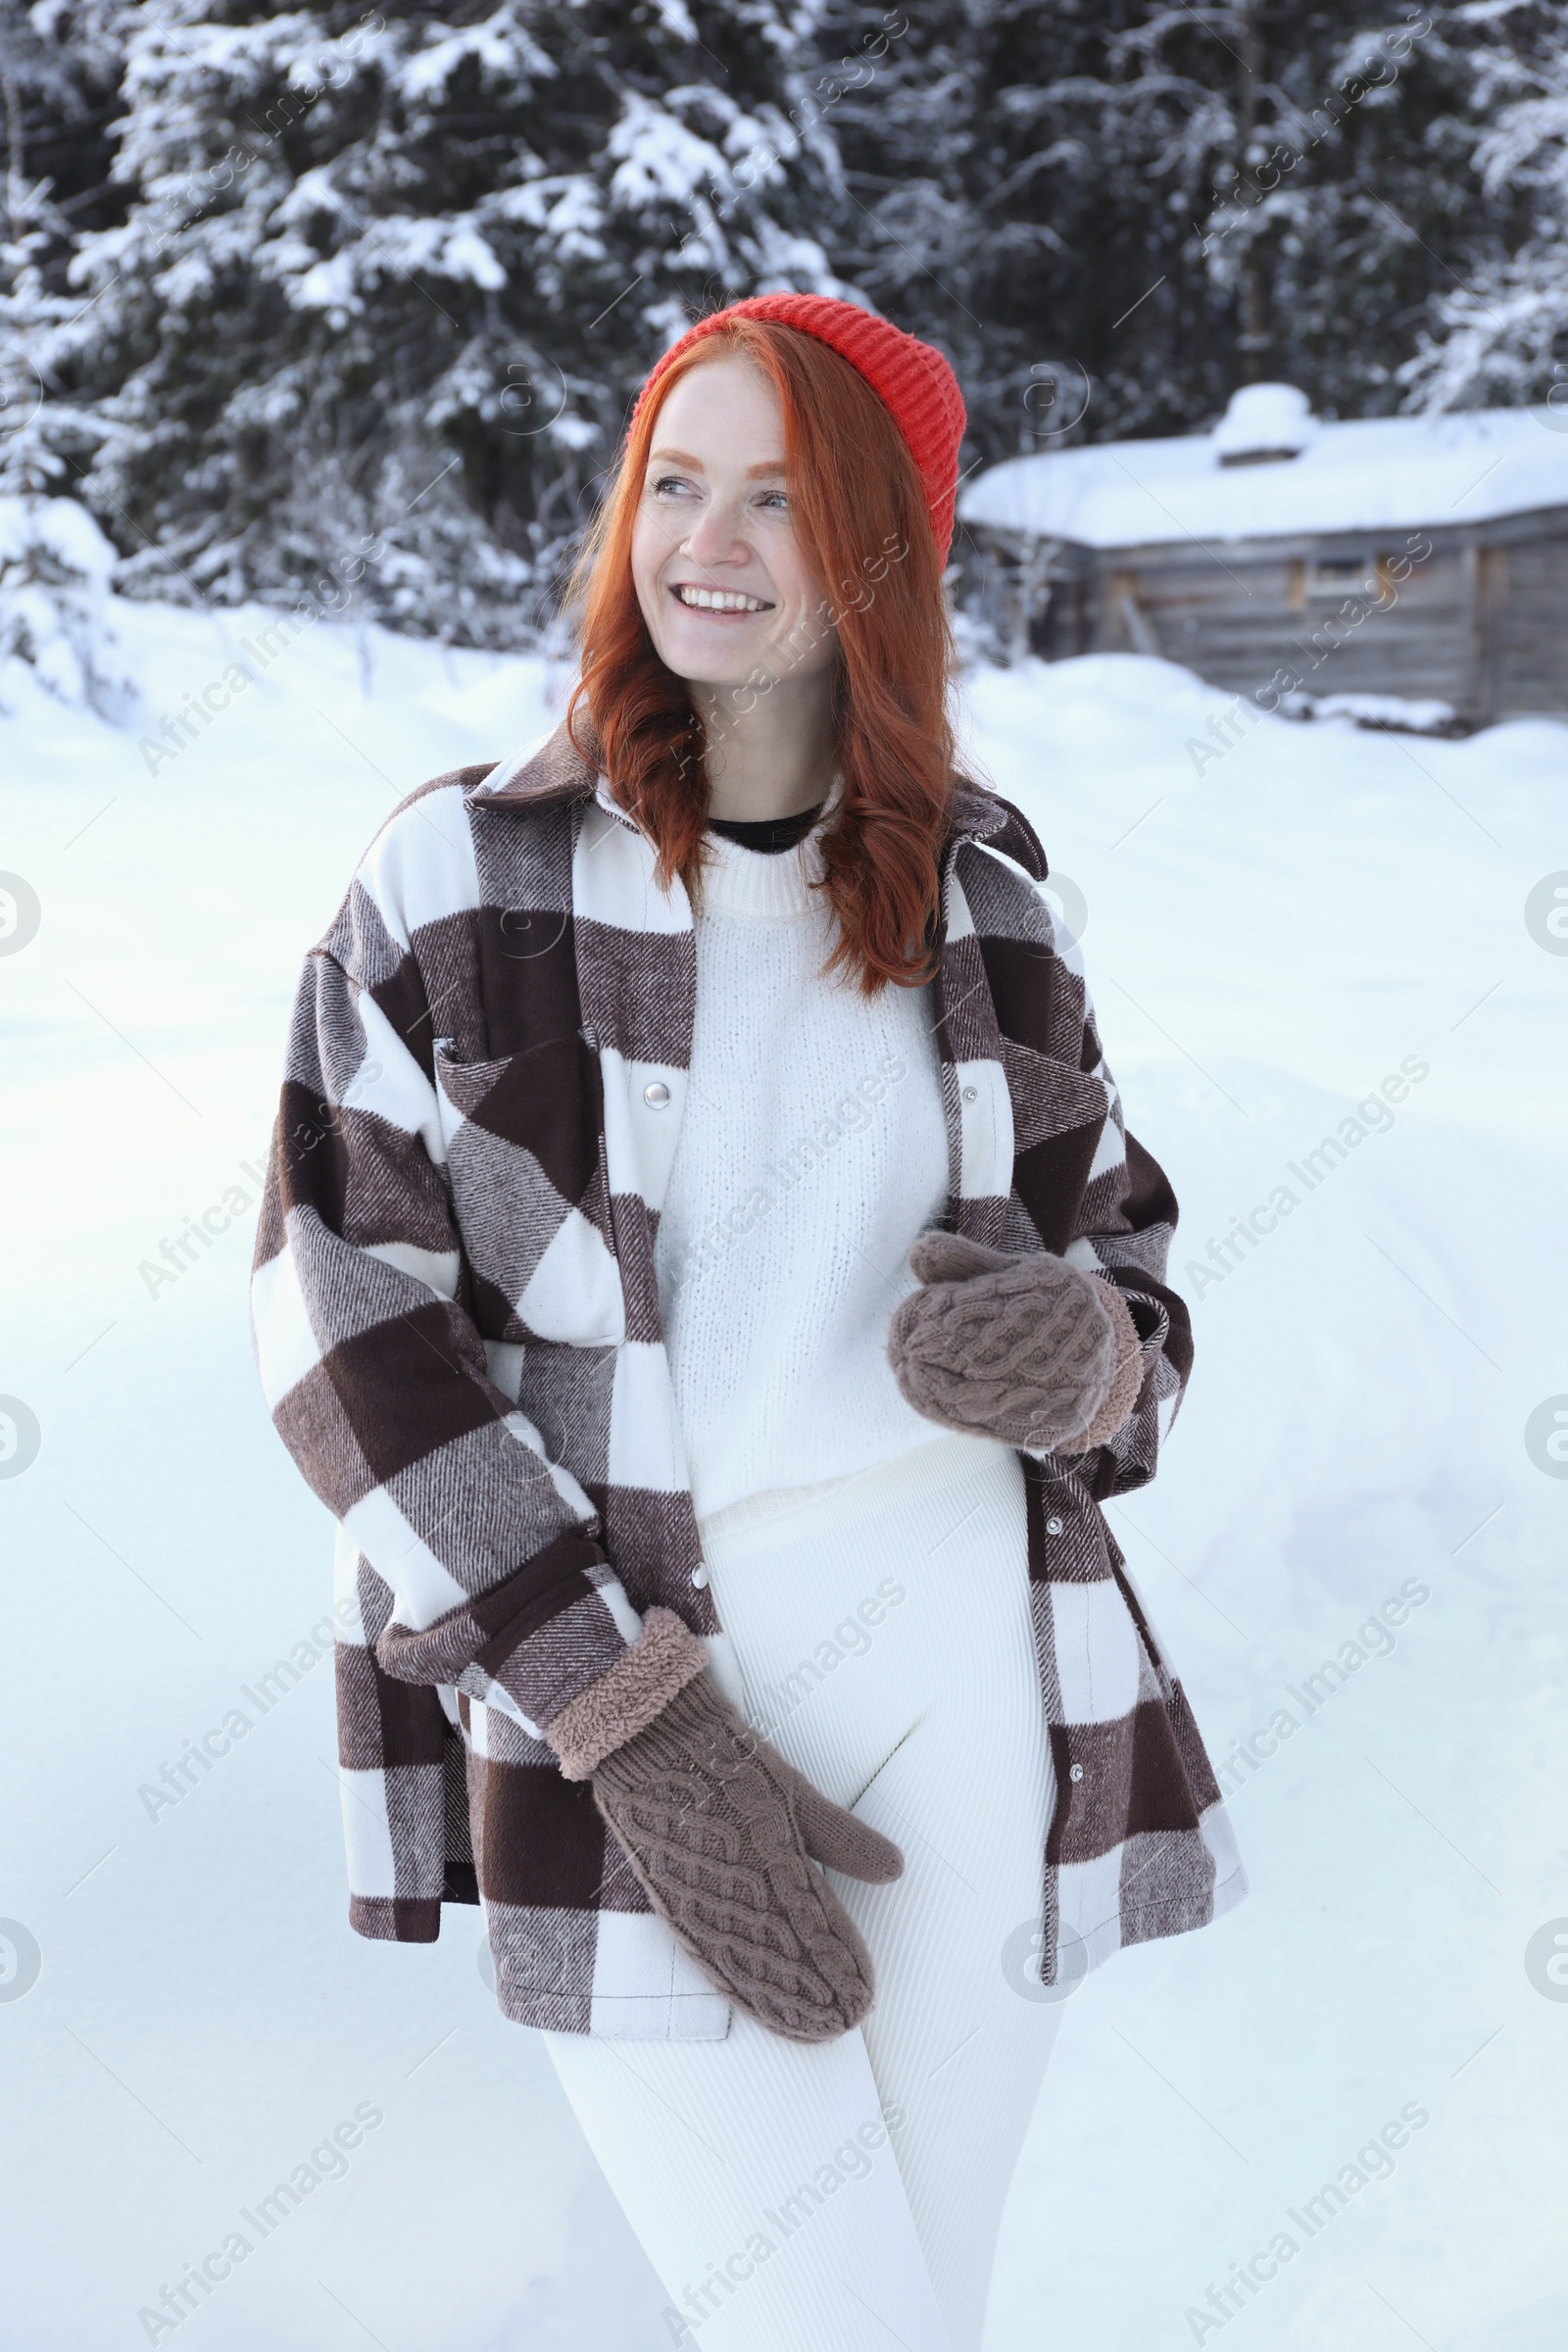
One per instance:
[(1075, 1772), (971, 1094), (699, 1577), (1053, 1525), (657, 1095)]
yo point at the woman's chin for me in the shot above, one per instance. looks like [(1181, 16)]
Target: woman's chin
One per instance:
[(708, 671)]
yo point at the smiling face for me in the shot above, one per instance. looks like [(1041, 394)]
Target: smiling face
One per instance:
[(719, 575)]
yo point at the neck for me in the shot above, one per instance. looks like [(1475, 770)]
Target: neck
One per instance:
[(766, 754)]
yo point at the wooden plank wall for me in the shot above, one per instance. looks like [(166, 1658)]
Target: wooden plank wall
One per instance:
[(1244, 621), (1476, 617), (1531, 659)]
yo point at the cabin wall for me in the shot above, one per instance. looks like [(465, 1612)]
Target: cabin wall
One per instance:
[(1287, 621), (1477, 618), (1529, 626)]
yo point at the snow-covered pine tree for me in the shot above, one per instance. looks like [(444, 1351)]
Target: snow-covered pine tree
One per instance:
[(58, 89), (1144, 205), (387, 277), (1501, 336)]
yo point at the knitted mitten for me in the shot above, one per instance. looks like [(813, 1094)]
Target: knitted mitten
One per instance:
[(722, 1833), (1024, 1349)]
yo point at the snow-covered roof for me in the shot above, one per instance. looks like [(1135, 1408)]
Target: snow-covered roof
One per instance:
[(1265, 421), (1386, 473)]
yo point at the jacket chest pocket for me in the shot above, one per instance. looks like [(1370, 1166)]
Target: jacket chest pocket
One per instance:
[(525, 1161)]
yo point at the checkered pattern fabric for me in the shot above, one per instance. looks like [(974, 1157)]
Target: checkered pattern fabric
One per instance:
[(459, 1334)]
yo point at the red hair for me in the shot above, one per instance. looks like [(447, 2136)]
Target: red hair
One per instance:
[(893, 735)]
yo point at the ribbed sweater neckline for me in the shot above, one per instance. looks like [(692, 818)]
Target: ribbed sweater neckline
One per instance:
[(767, 886), (758, 886)]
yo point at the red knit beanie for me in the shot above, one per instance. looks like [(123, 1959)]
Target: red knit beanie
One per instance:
[(912, 379)]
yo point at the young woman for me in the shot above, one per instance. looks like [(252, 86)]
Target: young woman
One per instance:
[(705, 1273)]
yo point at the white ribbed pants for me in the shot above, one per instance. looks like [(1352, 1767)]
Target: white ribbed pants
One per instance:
[(846, 2197)]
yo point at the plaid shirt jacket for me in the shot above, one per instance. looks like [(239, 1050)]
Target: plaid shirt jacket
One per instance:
[(458, 1335)]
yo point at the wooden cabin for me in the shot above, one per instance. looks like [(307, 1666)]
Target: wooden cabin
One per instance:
[(1421, 558)]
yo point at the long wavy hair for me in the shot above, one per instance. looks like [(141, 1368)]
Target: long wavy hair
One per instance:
[(872, 554)]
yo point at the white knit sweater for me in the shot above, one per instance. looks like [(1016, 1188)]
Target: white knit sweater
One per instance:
[(812, 1151)]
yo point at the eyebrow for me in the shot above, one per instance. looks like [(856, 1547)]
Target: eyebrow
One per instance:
[(681, 457)]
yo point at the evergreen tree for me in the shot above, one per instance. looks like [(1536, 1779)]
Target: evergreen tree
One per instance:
[(352, 299), (58, 84), (1111, 214), (1503, 336), (387, 279), (58, 79)]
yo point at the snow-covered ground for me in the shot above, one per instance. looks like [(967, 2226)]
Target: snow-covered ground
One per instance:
[(1318, 911)]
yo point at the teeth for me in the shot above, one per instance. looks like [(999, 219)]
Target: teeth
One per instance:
[(720, 600)]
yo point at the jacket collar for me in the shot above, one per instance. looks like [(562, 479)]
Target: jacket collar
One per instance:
[(541, 773), (545, 773)]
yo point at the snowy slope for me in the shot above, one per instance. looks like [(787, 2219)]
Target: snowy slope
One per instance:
[(1266, 945)]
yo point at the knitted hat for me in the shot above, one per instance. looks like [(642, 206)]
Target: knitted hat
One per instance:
[(912, 379)]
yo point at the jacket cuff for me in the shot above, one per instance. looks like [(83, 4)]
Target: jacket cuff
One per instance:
[(639, 1686), (528, 1645), (396, 1918), (1127, 1379)]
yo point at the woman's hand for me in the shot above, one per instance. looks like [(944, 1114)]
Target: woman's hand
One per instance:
[(724, 1834), (1024, 1349)]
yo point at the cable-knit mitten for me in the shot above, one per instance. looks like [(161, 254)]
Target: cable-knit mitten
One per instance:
[(719, 1829), (1025, 1349), (723, 1835)]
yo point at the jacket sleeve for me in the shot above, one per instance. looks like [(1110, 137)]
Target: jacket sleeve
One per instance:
[(1123, 1230), (376, 1377)]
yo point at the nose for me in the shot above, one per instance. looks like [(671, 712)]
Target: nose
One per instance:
[(714, 538)]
